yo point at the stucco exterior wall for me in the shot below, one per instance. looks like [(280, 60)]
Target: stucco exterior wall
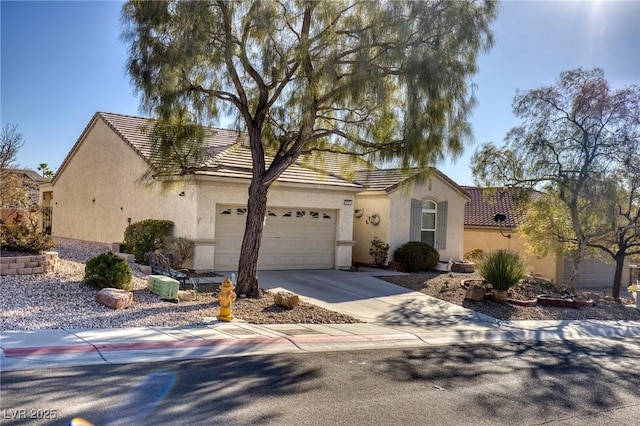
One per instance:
[(210, 193), (395, 217), (437, 190), (96, 194), (370, 202), (490, 239)]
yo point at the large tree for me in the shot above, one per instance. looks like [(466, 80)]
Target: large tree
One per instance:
[(573, 138), (618, 210), (388, 80)]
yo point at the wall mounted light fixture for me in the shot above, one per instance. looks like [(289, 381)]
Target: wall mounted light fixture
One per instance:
[(181, 194)]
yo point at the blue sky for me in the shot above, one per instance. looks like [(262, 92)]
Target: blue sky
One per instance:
[(63, 61)]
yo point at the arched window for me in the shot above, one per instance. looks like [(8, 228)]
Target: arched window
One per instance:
[(428, 228)]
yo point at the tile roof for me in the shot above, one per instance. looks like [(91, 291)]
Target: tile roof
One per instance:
[(390, 179), (481, 210), (227, 154)]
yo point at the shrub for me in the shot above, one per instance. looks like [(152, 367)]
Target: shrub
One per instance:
[(107, 270), (474, 255), (502, 269), (379, 251), (416, 256), (20, 238), (145, 236), (180, 251)]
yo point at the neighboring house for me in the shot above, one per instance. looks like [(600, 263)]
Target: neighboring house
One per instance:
[(19, 194), (97, 193), (407, 207), (482, 231)]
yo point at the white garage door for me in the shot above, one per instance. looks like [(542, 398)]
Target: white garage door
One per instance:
[(293, 238)]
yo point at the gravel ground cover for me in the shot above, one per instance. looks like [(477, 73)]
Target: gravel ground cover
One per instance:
[(62, 300), (447, 286)]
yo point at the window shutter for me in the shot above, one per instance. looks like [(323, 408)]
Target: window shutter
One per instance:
[(416, 220), (441, 226)]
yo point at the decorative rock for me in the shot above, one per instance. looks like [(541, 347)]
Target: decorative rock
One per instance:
[(526, 303), (185, 296), (115, 298), (463, 267), (286, 299), (475, 292)]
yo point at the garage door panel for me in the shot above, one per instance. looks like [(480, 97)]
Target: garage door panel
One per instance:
[(293, 238)]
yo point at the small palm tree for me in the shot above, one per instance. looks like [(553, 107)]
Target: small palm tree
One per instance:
[(43, 167), (502, 269)]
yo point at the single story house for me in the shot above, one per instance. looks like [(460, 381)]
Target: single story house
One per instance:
[(483, 231), (97, 192)]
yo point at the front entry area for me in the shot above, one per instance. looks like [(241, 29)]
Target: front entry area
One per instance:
[(293, 238)]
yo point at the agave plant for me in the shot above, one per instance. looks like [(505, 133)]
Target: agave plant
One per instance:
[(502, 269)]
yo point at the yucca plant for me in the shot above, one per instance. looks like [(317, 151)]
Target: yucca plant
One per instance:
[(502, 269)]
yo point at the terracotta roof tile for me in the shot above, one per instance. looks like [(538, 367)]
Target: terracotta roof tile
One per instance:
[(481, 210), (226, 153)]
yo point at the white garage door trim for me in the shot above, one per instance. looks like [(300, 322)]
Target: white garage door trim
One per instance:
[(293, 238)]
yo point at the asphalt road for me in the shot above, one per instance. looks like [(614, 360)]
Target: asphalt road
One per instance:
[(565, 383)]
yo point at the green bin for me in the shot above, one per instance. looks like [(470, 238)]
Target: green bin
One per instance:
[(165, 287)]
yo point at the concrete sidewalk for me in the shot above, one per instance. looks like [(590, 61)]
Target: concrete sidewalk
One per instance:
[(21, 350), (392, 317)]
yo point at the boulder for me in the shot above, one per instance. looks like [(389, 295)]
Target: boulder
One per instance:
[(286, 299), (185, 296), (115, 298), (463, 267), (475, 292)]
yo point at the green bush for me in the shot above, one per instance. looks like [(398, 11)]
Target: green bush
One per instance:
[(107, 270), (416, 256), (145, 236), (502, 269), (180, 251), (20, 238), (379, 251)]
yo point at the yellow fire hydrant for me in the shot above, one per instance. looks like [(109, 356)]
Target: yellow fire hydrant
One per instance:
[(226, 297)]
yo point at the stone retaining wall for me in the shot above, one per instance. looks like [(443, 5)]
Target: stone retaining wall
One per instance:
[(36, 264)]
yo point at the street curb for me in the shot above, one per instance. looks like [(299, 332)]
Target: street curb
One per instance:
[(111, 347)]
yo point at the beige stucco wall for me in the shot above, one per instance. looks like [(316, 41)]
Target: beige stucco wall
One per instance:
[(97, 192), (112, 181), (370, 202), (395, 217), (490, 239)]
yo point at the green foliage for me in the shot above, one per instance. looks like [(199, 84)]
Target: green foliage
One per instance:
[(384, 81), (22, 239), (416, 256), (107, 270), (147, 235), (180, 251), (474, 255), (502, 269), (379, 250), (578, 143)]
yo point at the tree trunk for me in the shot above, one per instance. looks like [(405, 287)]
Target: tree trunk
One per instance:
[(575, 268), (250, 251), (617, 277)]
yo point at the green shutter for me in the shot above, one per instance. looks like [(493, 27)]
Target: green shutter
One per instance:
[(416, 220), (441, 226)]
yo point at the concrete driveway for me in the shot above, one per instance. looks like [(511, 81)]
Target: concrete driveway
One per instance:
[(372, 300)]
